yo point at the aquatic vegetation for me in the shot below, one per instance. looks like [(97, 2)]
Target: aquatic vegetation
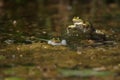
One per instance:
[(2, 57), (42, 61)]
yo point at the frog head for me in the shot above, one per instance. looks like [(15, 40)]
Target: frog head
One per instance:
[(77, 20)]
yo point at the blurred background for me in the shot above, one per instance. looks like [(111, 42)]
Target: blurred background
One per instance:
[(31, 17), (28, 21)]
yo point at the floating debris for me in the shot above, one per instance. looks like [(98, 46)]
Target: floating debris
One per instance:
[(9, 41), (99, 68), (21, 55), (13, 56), (79, 50)]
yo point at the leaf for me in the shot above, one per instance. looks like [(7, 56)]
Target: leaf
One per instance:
[(83, 73)]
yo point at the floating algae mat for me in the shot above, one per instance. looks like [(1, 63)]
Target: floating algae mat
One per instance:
[(83, 73), (14, 78)]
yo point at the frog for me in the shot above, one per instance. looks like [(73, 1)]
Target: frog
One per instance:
[(84, 30), (80, 27)]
